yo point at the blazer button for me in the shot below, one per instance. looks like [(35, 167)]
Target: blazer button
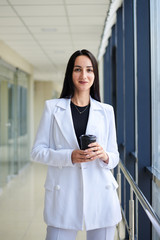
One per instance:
[(108, 186), (57, 187), (59, 146)]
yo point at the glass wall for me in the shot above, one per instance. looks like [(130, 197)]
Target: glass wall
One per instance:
[(14, 150), (133, 102), (155, 79)]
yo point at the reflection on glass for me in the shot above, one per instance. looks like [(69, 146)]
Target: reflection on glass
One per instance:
[(14, 150), (155, 80)]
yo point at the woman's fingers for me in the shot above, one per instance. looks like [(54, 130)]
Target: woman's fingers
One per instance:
[(96, 151), (93, 152), (78, 156)]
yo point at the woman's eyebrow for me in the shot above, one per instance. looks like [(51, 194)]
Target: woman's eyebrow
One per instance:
[(77, 66)]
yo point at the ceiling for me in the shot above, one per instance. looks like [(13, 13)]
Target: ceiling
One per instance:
[(47, 32)]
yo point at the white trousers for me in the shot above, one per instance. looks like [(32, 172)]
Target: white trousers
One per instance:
[(64, 234)]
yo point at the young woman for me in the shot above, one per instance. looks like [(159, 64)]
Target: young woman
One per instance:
[(80, 190)]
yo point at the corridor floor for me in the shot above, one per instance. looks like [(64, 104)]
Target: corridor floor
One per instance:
[(21, 206)]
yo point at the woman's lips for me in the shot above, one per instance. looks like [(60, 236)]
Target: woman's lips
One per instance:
[(82, 82)]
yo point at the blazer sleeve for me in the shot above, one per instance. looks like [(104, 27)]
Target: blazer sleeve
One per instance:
[(112, 148), (41, 151)]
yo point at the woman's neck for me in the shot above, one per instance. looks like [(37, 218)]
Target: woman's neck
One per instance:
[(81, 99)]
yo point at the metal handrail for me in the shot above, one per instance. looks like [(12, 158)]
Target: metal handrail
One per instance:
[(154, 218)]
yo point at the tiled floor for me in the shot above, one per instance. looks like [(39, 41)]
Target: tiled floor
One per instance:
[(21, 206)]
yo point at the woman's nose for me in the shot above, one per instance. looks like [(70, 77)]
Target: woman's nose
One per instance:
[(83, 74)]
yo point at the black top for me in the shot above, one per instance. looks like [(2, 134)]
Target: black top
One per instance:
[(80, 118)]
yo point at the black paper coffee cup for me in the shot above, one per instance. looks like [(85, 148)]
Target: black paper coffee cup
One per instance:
[(85, 140)]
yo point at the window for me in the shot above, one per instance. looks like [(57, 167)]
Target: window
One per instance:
[(155, 84), (14, 144)]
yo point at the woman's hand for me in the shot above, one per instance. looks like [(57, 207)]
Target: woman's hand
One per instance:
[(96, 151), (79, 156), (93, 152)]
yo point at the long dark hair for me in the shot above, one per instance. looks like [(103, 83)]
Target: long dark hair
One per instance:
[(68, 86)]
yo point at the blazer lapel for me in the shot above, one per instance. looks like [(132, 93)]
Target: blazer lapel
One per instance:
[(64, 119), (95, 116)]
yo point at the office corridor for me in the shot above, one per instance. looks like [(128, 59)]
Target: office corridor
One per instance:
[(37, 37), (21, 206)]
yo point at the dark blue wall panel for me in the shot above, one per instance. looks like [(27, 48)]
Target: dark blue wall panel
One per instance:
[(128, 64), (120, 85), (129, 84), (120, 92), (107, 79), (144, 109)]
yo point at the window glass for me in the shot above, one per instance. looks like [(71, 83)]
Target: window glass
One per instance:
[(14, 143), (155, 83)]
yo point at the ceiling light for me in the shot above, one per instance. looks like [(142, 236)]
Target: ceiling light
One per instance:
[(49, 30)]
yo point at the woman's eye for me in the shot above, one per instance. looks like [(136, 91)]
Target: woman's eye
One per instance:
[(89, 70), (77, 69)]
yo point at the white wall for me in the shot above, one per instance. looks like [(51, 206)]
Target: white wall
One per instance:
[(43, 90), (13, 58)]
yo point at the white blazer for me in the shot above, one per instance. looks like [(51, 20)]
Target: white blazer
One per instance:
[(77, 193)]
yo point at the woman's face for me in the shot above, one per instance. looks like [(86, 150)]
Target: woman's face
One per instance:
[(83, 74)]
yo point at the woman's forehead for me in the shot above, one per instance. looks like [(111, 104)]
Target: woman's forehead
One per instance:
[(83, 61)]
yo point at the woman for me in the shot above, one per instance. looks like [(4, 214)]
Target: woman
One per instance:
[(80, 189)]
